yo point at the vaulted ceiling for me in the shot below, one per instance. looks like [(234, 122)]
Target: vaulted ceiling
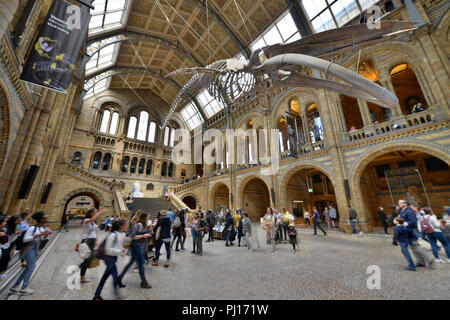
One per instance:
[(195, 36)]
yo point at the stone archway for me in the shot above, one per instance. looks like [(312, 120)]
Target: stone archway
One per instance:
[(307, 186), (219, 196), (190, 202), (361, 181), (254, 196)]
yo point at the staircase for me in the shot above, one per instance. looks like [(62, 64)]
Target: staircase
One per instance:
[(151, 205)]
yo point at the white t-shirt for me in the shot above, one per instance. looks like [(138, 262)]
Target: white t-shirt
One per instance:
[(89, 230), (29, 235)]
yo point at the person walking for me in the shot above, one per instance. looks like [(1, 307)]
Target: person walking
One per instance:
[(333, 216), (316, 220), (164, 237), (247, 230), (269, 225), (12, 231), (404, 235), (139, 232), (431, 227), (239, 228), (32, 240), (383, 220), (229, 227), (176, 231), (24, 226), (307, 218), (113, 247), (408, 214), (89, 236), (286, 219), (326, 216), (292, 235), (352, 218), (210, 219), (200, 230), (193, 225)]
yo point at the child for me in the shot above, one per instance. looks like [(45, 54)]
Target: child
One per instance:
[(292, 235), (404, 235), (247, 230)]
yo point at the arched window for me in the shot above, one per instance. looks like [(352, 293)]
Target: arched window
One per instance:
[(352, 115), (105, 121), (114, 123), (170, 171), (76, 158), (166, 136), (314, 123), (133, 165), (132, 127), (106, 162), (148, 170), (172, 137), (152, 132), (406, 88), (96, 160), (125, 162), (150, 187), (141, 166), (142, 128), (283, 134), (164, 169), (295, 111)]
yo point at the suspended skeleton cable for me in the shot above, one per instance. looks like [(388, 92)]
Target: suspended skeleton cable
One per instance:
[(207, 28), (189, 26), (242, 18), (126, 82)]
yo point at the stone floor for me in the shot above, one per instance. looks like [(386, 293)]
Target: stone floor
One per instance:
[(332, 267)]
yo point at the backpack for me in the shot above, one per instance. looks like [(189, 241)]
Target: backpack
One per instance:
[(425, 226), (100, 252), (176, 223)]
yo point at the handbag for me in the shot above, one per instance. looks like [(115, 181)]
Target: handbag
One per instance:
[(94, 263), (42, 243), (158, 233), (84, 251)]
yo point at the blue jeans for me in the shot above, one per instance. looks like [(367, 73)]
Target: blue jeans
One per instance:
[(405, 251), (194, 235), (353, 223), (433, 240), (111, 269), (137, 254), (228, 236), (30, 258)]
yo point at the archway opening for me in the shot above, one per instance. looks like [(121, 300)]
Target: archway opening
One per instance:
[(415, 176), (255, 198), (221, 197), (308, 188), (77, 205), (190, 202)]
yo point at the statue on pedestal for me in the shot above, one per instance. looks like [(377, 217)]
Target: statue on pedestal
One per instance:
[(136, 190)]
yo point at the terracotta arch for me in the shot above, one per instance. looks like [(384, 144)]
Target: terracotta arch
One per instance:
[(75, 192), (191, 195)]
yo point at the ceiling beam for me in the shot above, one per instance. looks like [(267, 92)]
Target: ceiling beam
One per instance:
[(201, 4)]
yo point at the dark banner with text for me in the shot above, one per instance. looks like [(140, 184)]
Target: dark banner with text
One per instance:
[(55, 53)]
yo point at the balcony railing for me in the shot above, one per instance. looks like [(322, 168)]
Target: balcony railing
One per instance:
[(387, 127), (105, 141), (139, 147)]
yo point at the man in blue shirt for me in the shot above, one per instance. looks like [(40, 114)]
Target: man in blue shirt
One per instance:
[(408, 214), (317, 221), (170, 215)]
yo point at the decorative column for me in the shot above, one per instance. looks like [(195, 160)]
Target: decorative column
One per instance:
[(7, 10)]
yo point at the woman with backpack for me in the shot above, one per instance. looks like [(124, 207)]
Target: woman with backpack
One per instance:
[(108, 251), (12, 231), (176, 226), (431, 227), (138, 233), (33, 241), (89, 237)]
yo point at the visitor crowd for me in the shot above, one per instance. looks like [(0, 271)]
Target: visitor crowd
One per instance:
[(414, 228)]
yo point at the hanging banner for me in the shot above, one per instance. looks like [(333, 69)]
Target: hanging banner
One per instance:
[(55, 53), (292, 136)]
